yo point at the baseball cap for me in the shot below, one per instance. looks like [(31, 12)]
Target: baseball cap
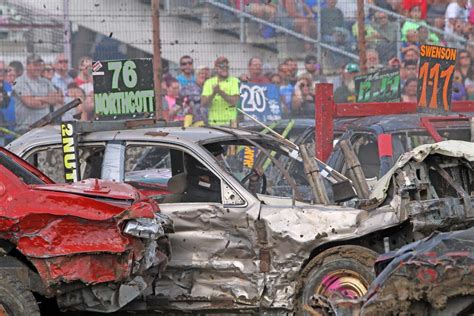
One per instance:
[(351, 67), (33, 58), (309, 59), (221, 60)]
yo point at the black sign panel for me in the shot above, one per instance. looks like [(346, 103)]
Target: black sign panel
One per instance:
[(124, 89), (435, 77), (380, 86), (70, 152)]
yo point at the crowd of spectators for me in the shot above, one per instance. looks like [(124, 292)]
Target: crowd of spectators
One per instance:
[(210, 94)]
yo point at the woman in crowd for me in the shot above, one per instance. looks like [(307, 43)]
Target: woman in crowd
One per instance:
[(409, 90)]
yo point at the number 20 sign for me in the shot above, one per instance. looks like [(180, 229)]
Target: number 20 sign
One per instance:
[(435, 77)]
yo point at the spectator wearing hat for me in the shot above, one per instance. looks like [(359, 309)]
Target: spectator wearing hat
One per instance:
[(254, 72), (34, 96), (346, 92), (313, 70), (187, 71), (61, 77), (221, 94)]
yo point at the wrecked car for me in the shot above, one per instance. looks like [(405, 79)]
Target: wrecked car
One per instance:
[(92, 246), (432, 276), (241, 242), (379, 140)]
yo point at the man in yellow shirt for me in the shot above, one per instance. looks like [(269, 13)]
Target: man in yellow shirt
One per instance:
[(221, 94)]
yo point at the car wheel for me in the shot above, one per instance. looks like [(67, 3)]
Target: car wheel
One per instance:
[(15, 299), (339, 272)]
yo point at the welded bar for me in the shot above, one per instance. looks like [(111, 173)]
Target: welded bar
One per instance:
[(324, 116), (314, 177), (355, 169)]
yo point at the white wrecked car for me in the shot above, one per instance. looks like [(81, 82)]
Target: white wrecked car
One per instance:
[(241, 242)]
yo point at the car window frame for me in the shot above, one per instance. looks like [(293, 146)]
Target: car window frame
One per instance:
[(211, 166)]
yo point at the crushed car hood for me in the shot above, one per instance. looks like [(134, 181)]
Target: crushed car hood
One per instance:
[(450, 148), (95, 188)]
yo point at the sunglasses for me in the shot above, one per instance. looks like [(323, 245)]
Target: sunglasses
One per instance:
[(184, 63), (63, 61), (48, 69), (223, 65)]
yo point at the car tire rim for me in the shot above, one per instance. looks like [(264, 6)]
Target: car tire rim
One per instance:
[(343, 284)]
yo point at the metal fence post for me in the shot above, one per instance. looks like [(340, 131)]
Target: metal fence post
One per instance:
[(320, 53), (242, 22), (399, 39)]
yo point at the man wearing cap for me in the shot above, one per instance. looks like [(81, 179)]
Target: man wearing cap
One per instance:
[(34, 96), (221, 94), (346, 92)]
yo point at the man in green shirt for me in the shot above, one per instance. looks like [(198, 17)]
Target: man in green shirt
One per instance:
[(221, 94)]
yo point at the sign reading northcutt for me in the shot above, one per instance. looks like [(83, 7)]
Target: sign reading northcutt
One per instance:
[(123, 89), (435, 77)]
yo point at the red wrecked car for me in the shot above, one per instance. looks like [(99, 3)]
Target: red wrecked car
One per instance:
[(93, 245)]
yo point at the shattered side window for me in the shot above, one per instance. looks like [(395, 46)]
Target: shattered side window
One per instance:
[(50, 162)]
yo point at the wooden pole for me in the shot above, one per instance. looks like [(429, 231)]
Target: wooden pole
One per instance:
[(361, 36), (155, 9)]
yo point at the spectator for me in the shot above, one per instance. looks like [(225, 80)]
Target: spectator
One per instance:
[(455, 12), (7, 104), (415, 14), (187, 71), (174, 106), (394, 63), (276, 79), (61, 77), (48, 71), (302, 102), (331, 17), (85, 71), (192, 92), (389, 5), (14, 70), (385, 36), (373, 60), (80, 112), (463, 65), (262, 9), (407, 5), (346, 92), (409, 90), (341, 38), (425, 37), (286, 88), (436, 12), (411, 53), (458, 90), (254, 72), (34, 96), (221, 94), (293, 69), (409, 70), (313, 70), (302, 18)]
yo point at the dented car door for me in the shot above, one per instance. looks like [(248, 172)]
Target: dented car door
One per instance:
[(215, 252)]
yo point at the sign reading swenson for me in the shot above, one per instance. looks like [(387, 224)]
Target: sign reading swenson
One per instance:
[(123, 89)]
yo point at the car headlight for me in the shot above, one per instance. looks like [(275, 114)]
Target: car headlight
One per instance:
[(149, 228)]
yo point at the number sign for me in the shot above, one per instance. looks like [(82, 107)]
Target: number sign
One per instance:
[(435, 77), (380, 86), (262, 101), (123, 89), (70, 152)]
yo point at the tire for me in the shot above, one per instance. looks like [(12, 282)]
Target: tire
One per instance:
[(15, 299), (347, 271)]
